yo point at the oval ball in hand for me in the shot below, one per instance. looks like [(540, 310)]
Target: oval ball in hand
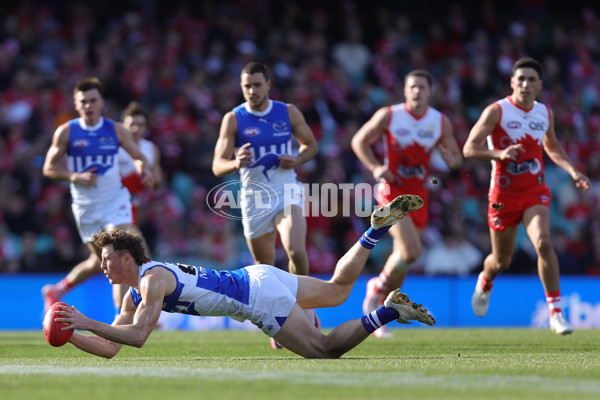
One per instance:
[(52, 329)]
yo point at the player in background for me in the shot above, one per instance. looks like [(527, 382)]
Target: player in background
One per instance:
[(90, 145), (256, 139), (517, 130), (411, 131), (270, 298), (135, 118)]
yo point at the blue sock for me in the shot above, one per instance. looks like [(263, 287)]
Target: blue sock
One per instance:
[(378, 318), (370, 238)]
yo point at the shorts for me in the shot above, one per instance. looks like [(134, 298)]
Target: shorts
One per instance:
[(91, 217), (259, 207), (272, 297), (384, 193), (509, 207)]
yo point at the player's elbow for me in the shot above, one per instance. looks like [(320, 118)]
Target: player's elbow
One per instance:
[(139, 338), (139, 341), (46, 171), (467, 151), (217, 171), (356, 144)]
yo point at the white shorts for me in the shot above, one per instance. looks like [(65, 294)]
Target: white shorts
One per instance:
[(259, 209), (272, 296), (91, 217)]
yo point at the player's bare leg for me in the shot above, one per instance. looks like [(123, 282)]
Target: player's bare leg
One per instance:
[(537, 222), (291, 225), (52, 293)]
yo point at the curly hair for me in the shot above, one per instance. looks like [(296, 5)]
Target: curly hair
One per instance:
[(121, 240)]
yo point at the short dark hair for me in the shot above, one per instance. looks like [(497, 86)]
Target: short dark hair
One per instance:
[(255, 67), (123, 241), (527, 62), (135, 108), (88, 84), (422, 73)]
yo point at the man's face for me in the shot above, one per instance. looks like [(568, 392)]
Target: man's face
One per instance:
[(417, 92), (137, 125), (256, 90), (89, 105), (526, 84), (113, 265)]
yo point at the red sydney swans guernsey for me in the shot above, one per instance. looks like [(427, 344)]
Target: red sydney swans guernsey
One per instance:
[(527, 127), (410, 141)]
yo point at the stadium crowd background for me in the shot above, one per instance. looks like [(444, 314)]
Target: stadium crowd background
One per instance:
[(338, 62)]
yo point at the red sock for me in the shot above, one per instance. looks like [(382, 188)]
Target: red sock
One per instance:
[(486, 285), (63, 287), (382, 283), (553, 300)]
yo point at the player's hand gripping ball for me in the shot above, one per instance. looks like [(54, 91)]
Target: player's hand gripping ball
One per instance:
[(52, 329)]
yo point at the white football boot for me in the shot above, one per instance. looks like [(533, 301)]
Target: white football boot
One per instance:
[(559, 325), (481, 299)]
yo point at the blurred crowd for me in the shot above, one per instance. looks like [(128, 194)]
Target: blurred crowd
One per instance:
[(338, 62)]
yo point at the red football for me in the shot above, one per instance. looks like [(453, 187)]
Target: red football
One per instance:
[(51, 328)]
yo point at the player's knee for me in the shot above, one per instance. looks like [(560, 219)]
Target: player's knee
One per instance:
[(337, 294), (543, 244), (502, 263)]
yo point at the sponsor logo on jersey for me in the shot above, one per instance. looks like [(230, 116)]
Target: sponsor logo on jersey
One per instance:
[(535, 124), (402, 132), (252, 131), (423, 133), (280, 126), (411, 171), (107, 140), (532, 166), (81, 143), (514, 125)]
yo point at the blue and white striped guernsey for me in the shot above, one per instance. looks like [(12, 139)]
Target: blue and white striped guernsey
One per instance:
[(94, 147), (269, 133), (202, 291)]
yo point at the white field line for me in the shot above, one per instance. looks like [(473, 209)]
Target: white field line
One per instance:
[(383, 379)]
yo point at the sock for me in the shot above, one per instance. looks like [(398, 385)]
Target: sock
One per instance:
[(370, 238), (553, 300), (382, 283), (485, 284), (63, 287), (378, 318)]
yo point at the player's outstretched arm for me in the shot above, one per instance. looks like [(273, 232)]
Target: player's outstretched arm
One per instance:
[(100, 346), (132, 331)]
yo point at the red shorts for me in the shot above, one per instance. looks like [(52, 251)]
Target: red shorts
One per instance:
[(384, 193), (506, 209)]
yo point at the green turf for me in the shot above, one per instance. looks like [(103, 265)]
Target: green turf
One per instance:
[(425, 363)]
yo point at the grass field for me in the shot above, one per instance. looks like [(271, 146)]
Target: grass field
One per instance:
[(414, 364)]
